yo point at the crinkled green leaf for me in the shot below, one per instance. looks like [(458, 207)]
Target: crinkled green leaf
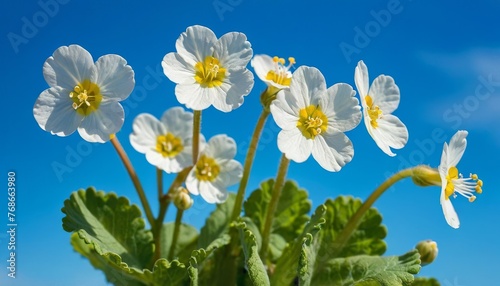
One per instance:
[(424, 281), (256, 270), (198, 257), (365, 270), (289, 219), (366, 239), (217, 223), (287, 265), (110, 224), (186, 241)]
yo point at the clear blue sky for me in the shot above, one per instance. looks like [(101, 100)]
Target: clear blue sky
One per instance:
[(442, 57)]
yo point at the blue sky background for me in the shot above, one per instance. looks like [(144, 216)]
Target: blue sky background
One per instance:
[(441, 54)]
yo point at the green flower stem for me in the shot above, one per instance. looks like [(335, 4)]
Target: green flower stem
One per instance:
[(248, 164), (133, 176), (159, 182), (196, 134), (273, 204), (354, 221), (175, 236)]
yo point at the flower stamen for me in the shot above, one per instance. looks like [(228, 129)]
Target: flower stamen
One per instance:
[(374, 112), (456, 183), (206, 169), (312, 121), (209, 73), (169, 145), (281, 73), (86, 97)]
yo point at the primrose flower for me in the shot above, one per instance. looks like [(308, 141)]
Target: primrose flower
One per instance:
[(215, 170), (313, 119), (452, 181), (167, 143), (378, 102), (273, 71), (210, 71), (83, 95)]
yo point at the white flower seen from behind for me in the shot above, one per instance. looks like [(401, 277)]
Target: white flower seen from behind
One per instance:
[(379, 101), (215, 170), (452, 181), (313, 119), (83, 95), (210, 71), (167, 143)]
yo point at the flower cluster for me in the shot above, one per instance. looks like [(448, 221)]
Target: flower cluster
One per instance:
[(207, 70)]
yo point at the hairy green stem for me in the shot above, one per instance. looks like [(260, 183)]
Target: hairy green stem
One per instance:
[(273, 204), (248, 164), (177, 228), (196, 134), (135, 180), (352, 224)]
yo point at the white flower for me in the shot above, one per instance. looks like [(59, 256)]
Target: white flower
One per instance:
[(273, 71), (167, 143), (215, 170), (83, 95), (452, 181), (312, 119), (378, 103), (210, 71)]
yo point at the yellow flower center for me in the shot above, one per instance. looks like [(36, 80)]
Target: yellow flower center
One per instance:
[(86, 97), (206, 169), (312, 121), (280, 74), (373, 111), (209, 73), (465, 186), (450, 187), (169, 145)]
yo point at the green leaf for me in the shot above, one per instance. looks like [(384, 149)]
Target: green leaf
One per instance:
[(424, 281), (217, 223), (286, 266), (198, 257), (186, 242), (256, 270), (365, 270), (289, 219), (110, 224), (366, 239)]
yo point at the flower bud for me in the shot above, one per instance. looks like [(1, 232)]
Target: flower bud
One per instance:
[(428, 251), (425, 176), (182, 199)]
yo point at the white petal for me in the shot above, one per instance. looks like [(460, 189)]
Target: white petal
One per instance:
[(178, 122), (146, 129), (54, 113), (449, 212), (341, 107), (307, 83), (229, 95), (212, 193), (385, 93), (194, 96), (177, 69), (233, 50), (195, 44), (456, 149), (169, 165), (262, 64), (361, 79), (285, 111), (100, 124), (230, 173), (68, 66), (221, 147), (192, 182), (294, 145), (114, 77), (391, 132), (332, 151)]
